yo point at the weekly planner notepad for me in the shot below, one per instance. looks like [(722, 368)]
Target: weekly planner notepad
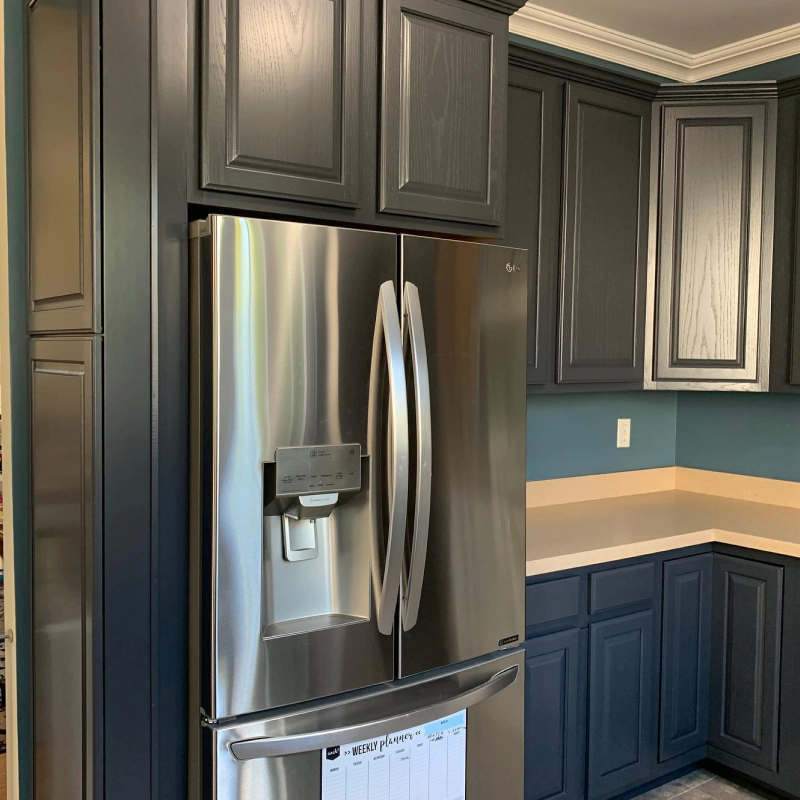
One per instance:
[(423, 763)]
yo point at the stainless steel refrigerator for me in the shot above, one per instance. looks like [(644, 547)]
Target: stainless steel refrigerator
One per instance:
[(358, 515)]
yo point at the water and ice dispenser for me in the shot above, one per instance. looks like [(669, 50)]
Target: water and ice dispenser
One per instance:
[(316, 539)]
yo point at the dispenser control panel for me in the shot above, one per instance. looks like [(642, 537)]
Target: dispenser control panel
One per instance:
[(314, 470)]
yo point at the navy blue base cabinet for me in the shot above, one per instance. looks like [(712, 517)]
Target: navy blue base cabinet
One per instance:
[(745, 665), (555, 703), (685, 655), (643, 667), (622, 730)]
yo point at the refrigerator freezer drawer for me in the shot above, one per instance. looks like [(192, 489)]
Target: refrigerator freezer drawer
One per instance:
[(278, 756)]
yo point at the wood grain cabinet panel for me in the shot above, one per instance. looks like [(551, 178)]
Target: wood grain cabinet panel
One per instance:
[(63, 422), (685, 655), (60, 79), (713, 278), (533, 203), (443, 110), (745, 660), (281, 98), (604, 251)]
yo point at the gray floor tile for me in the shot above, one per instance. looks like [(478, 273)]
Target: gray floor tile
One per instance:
[(722, 789)]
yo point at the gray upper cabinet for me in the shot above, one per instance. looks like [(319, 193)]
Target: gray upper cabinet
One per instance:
[(281, 98), (61, 118), (604, 247), (714, 257), (443, 110), (63, 439), (533, 200)]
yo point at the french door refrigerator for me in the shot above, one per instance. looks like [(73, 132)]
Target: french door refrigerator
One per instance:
[(358, 515)]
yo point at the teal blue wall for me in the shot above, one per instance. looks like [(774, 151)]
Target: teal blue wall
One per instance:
[(576, 434), (748, 434)]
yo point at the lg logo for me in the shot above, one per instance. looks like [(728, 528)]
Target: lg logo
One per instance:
[(512, 267)]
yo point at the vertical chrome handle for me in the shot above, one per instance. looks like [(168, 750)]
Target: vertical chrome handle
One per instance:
[(422, 505), (387, 330)]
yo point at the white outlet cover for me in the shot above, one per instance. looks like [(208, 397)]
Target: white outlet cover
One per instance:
[(623, 433)]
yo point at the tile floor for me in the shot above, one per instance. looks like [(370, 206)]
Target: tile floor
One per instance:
[(701, 785)]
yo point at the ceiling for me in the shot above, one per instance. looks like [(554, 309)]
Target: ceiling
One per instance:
[(685, 40)]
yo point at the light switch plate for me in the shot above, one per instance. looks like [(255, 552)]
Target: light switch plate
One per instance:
[(623, 433)]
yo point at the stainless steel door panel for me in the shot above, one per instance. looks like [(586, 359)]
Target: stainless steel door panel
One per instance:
[(289, 346), (473, 301), (494, 733)]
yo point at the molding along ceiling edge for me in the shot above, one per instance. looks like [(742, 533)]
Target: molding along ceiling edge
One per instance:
[(584, 37)]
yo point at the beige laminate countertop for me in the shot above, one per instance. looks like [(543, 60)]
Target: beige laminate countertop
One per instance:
[(595, 531)]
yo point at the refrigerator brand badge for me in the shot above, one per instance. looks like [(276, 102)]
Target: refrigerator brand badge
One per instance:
[(512, 267), (508, 640), (332, 753)]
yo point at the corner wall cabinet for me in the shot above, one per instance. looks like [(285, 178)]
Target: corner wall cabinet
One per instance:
[(713, 265), (673, 258), (691, 655)]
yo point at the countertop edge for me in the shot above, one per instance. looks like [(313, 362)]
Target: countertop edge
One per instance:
[(544, 566)]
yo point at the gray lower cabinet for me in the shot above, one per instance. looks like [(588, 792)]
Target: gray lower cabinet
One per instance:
[(61, 112), (685, 655), (443, 110), (63, 425), (281, 98), (713, 271), (533, 203), (604, 246), (555, 709), (745, 660), (622, 707)]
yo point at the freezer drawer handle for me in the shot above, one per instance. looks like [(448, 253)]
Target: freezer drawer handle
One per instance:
[(271, 747), (387, 329), (412, 585)]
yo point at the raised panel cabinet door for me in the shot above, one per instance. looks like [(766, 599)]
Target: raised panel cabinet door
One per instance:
[(63, 419), (685, 655), (533, 203), (622, 719), (555, 696), (604, 250), (61, 116), (714, 265), (443, 110), (281, 98), (745, 659)]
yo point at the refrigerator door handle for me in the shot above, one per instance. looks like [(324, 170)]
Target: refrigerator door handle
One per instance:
[(422, 505), (271, 747), (387, 331)]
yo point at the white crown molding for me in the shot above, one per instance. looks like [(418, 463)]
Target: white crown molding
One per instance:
[(575, 34)]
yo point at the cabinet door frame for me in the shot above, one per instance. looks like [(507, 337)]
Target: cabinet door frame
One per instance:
[(766, 728), (74, 358), (572, 645), (394, 196), (545, 230), (751, 370), (603, 783), (79, 311), (569, 372), (224, 168)]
